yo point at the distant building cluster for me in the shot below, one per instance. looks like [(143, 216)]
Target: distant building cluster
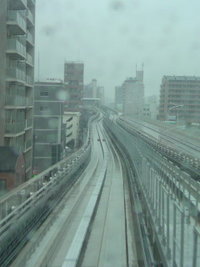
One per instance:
[(40, 123), (179, 100), (57, 112), (93, 94)]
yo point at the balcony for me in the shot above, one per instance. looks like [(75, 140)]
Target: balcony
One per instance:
[(30, 17), (20, 4), (29, 101), (28, 144), (28, 123), (29, 60), (29, 81), (16, 74), (16, 49), (15, 128), (16, 22), (31, 3), (30, 38), (15, 102)]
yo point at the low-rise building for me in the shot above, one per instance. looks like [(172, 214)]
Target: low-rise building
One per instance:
[(49, 130), (71, 121)]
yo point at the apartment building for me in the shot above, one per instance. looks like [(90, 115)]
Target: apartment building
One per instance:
[(180, 99), (73, 79), (49, 130), (133, 95), (17, 30)]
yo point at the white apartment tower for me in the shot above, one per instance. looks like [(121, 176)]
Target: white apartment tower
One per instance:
[(133, 95), (17, 30)]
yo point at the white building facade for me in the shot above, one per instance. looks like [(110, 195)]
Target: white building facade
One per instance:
[(133, 95)]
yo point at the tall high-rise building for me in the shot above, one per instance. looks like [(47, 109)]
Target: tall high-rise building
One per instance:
[(17, 30), (180, 99), (73, 79), (133, 95)]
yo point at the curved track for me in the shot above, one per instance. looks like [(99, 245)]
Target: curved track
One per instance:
[(181, 153), (92, 225)]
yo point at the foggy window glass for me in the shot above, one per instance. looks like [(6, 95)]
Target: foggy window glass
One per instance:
[(104, 96)]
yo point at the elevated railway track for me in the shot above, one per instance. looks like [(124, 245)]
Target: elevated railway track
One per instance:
[(127, 197), (185, 154), (170, 196)]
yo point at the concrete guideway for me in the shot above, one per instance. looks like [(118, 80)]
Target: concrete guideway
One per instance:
[(170, 200), (111, 242), (91, 226), (183, 154), (61, 216), (69, 214), (168, 136), (106, 244)]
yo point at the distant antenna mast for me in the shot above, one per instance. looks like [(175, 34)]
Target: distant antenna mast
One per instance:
[(136, 67), (142, 66)]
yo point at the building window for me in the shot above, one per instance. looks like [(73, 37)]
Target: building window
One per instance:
[(44, 93), (42, 108)]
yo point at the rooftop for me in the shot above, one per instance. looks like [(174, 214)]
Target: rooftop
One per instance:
[(53, 83), (74, 62), (181, 78)]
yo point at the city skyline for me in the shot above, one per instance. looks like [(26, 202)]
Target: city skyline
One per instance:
[(111, 37)]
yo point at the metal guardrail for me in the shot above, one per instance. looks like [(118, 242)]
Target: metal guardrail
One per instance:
[(17, 196), (168, 149), (28, 205)]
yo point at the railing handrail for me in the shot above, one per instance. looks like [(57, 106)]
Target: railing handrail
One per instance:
[(41, 175)]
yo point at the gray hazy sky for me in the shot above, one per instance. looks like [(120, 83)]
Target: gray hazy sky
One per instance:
[(111, 37)]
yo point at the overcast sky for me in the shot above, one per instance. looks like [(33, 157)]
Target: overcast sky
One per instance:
[(111, 37)]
